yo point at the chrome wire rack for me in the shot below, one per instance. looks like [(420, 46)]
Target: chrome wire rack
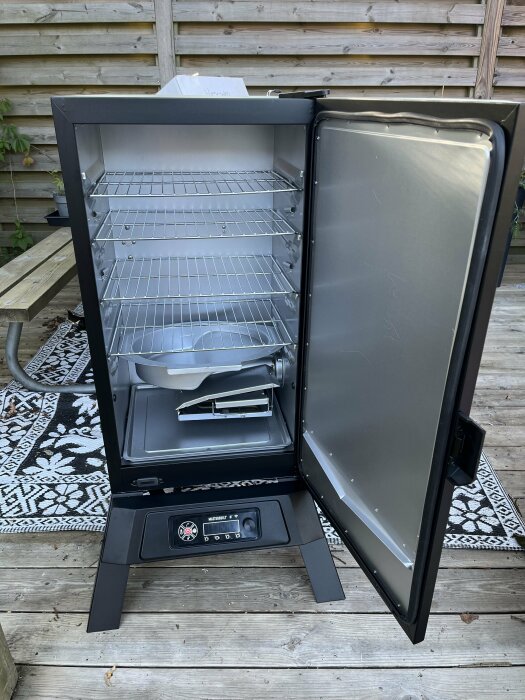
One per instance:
[(249, 323), (165, 224), (185, 183), (162, 278)]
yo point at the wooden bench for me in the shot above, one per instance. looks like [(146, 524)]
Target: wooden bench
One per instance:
[(27, 284)]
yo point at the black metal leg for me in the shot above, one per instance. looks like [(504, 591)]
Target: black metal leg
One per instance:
[(108, 597), (127, 531), (322, 571), (314, 548)]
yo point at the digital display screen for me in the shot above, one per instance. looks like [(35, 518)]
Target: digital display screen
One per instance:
[(221, 527)]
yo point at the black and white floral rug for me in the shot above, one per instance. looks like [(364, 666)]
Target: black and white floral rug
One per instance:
[(52, 466)]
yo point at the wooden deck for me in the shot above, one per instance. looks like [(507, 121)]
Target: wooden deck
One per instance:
[(247, 626)]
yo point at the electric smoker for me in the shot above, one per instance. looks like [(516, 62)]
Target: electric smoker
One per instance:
[(291, 295)]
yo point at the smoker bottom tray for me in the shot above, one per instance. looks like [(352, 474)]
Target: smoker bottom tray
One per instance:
[(154, 433)]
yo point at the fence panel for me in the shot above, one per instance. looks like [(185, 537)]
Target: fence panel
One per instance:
[(406, 48)]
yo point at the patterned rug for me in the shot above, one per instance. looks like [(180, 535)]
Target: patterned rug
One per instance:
[(52, 467)]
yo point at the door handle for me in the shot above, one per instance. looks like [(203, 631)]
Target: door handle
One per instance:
[(466, 449)]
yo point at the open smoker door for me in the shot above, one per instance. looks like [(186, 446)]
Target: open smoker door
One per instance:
[(402, 214)]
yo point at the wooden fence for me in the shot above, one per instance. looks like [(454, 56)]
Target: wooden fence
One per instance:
[(436, 49)]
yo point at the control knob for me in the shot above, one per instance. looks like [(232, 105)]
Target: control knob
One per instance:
[(249, 526)]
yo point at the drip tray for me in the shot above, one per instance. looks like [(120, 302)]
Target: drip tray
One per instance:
[(154, 433)]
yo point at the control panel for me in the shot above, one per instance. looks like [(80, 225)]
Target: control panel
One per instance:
[(212, 527), (215, 528)]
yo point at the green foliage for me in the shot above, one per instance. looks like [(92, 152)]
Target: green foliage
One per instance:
[(20, 239), (58, 181), (516, 225), (11, 140)]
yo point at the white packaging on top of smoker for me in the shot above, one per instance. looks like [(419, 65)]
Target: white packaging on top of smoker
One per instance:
[(203, 86)]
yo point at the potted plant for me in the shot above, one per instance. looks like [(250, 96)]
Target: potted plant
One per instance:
[(59, 195)]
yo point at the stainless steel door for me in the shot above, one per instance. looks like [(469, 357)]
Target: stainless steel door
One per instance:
[(402, 212)]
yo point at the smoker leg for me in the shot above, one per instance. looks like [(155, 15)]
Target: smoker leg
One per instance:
[(108, 597), (314, 548), (321, 570), (120, 538)]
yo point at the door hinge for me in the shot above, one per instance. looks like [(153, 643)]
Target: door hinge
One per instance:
[(466, 449), (148, 482)]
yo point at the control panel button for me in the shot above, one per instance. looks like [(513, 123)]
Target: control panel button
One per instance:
[(249, 525), (187, 531)]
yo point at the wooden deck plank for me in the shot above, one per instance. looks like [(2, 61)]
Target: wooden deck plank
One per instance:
[(503, 380), (514, 481), (67, 550), (502, 358), (503, 435), (485, 398), (253, 590), (502, 415), (24, 264), (506, 458), (23, 302), (263, 640), (49, 683), (505, 426)]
